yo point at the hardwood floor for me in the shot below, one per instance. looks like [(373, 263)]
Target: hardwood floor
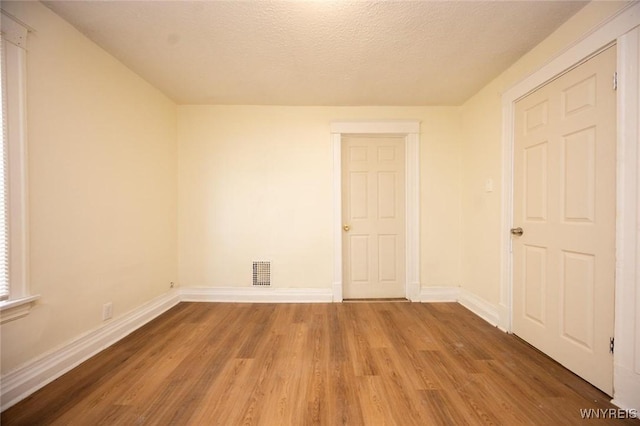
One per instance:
[(307, 364)]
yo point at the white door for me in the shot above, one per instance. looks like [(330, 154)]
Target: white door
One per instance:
[(564, 201), (373, 200)]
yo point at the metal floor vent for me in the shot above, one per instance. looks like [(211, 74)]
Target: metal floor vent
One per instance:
[(261, 273)]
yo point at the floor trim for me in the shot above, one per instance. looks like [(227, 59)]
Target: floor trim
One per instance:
[(480, 307), (485, 310), (439, 294), (256, 295), (22, 382)]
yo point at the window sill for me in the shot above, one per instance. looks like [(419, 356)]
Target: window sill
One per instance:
[(17, 308)]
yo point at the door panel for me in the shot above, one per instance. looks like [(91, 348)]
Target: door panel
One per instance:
[(564, 199), (359, 195), (579, 176), (536, 182), (359, 253), (387, 258), (535, 283), (387, 188), (373, 208), (578, 298)]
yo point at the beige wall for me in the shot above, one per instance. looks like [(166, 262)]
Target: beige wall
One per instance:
[(255, 182), (109, 155), (482, 155), (102, 182)]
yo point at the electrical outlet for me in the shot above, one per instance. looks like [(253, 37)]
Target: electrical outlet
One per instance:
[(171, 284), (107, 311), (488, 185)]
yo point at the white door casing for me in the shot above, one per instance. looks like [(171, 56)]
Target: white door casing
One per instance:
[(410, 131), (564, 199)]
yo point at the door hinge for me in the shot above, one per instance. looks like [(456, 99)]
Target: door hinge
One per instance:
[(615, 80), (611, 344)]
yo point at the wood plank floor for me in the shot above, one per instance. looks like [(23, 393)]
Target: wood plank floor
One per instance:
[(308, 364)]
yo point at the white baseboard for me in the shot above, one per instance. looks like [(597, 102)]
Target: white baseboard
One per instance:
[(256, 295), (477, 305), (439, 294), (626, 386), (337, 291), (22, 382)]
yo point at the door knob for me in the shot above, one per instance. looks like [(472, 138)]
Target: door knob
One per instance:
[(346, 227), (517, 231)]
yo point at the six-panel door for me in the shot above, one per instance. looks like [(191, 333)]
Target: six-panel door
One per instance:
[(373, 199), (565, 202)]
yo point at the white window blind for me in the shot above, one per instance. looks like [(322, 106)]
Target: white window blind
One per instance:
[(4, 234), (13, 196), (15, 298)]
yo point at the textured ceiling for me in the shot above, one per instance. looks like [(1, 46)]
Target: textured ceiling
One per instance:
[(317, 52)]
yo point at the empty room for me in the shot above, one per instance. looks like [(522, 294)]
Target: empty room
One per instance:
[(325, 212)]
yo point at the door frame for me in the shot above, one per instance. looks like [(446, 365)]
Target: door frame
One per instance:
[(622, 30), (410, 131)]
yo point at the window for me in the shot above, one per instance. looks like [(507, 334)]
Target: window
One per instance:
[(15, 300), (4, 232)]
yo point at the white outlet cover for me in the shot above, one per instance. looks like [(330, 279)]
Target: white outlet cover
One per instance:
[(107, 311), (488, 185)]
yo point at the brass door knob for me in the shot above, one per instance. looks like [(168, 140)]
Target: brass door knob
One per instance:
[(517, 231), (346, 228)]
